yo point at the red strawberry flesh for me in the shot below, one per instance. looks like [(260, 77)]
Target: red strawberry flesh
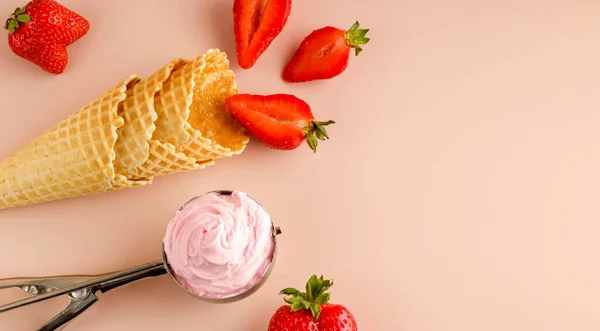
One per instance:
[(280, 121), (324, 54), (256, 24)]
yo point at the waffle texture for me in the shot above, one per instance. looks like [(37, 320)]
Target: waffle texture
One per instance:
[(172, 121)]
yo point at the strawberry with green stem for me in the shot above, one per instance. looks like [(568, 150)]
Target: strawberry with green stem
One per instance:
[(41, 31), (18, 16), (280, 121), (311, 310), (324, 54)]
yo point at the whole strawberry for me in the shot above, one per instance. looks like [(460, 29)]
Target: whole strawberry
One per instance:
[(311, 310), (41, 31), (324, 54)]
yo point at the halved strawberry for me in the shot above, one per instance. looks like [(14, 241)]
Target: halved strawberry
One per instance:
[(324, 54), (256, 24), (279, 121)]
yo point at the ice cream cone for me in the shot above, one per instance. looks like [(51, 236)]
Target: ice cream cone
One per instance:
[(175, 120), (74, 158), (132, 148), (214, 133)]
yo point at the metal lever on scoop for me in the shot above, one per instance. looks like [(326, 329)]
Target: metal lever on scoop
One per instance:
[(80, 289), (79, 300)]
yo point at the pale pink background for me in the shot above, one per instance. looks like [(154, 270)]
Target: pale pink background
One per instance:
[(459, 192)]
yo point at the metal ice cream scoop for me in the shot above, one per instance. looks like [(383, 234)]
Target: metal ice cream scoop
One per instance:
[(81, 289)]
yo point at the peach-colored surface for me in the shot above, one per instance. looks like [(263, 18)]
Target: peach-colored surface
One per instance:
[(459, 191)]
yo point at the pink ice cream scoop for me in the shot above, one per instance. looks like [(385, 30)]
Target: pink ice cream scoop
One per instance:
[(220, 245)]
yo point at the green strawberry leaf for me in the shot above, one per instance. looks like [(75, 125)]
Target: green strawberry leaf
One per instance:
[(294, 299), (361, 32), (312, 286), (13, 25), (20, 11), (314, 132), (297, 305), (315, 297), (320, 288), (24, 18), (322, 133), (323, 298), (312, 142), (315, 308), (356, 37), (289, 291), (325, 123), (362, 40)]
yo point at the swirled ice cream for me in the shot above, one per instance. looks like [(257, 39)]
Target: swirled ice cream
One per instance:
[(219, 246)]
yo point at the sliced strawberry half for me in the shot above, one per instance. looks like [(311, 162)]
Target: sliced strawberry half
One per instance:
[(256, 24), (324, 54), (279, 121)]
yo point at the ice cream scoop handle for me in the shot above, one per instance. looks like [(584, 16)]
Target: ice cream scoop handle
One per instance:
[(92, 284), (112, 284)]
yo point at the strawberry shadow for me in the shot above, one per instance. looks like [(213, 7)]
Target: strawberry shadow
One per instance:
[(221, 18)]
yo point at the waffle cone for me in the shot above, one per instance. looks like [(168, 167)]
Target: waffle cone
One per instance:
[(173, 121), (199, 127), (74, 158), (222, 135), (132, 148), (172, 104)]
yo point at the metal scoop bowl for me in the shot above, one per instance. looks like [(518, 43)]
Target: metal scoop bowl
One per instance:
[(81, 289)]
